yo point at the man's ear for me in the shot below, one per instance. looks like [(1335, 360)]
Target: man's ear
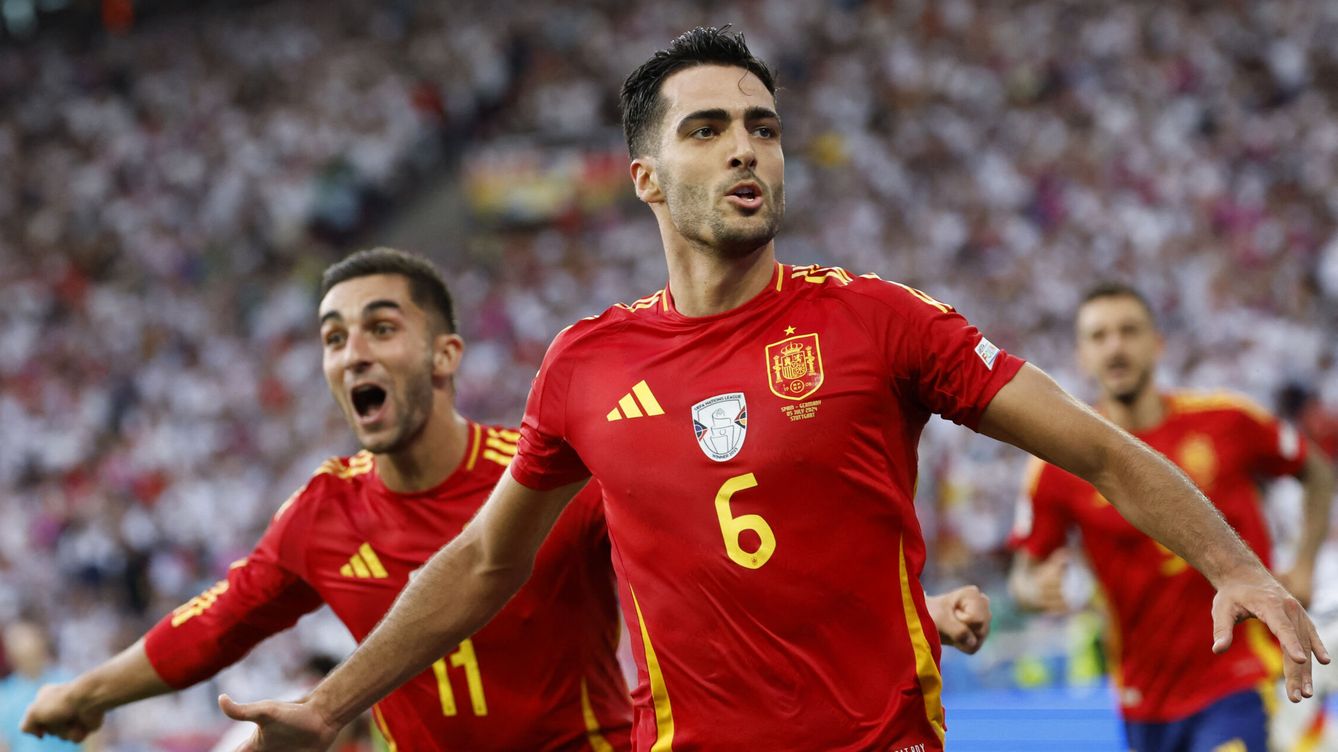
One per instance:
[(645, 178), (447, 351)]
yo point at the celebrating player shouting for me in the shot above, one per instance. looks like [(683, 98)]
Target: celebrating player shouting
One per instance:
[(754, 428), (541, 676), (1173, 694)]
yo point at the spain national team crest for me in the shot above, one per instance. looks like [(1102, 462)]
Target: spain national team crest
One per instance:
[(721, 424), (794, 367)]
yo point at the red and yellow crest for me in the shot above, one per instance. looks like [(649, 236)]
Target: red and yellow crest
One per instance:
[(794, 367)]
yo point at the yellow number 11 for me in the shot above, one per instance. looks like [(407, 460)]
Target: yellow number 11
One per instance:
[(463, 656)]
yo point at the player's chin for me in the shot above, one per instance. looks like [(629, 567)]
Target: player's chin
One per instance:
[(379, 441)]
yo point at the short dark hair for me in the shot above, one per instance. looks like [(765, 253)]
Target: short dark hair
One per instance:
[(427, 289), (1116, 289), (641, 104)]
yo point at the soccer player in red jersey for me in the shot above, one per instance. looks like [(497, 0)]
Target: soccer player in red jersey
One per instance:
[(543, 675), (1174, 695), (754, 428)]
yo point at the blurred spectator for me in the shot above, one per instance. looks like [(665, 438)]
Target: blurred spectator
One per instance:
[(29, 656)]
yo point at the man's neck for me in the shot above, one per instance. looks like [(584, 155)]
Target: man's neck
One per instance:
[(704, 284), (1143, 412), (432, 455)]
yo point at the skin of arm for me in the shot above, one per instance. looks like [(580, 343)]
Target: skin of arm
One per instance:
[(456, 593), (962, 617), (1317, 482), (75, 709), (1033, 413)]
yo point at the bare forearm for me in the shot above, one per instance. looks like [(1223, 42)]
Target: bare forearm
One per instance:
[(1034, 414), (1318, 484), (452, 597), (126, 678), (1159, 499)]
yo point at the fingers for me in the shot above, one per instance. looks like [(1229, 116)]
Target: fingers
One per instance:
[(29, 724), (973, 607), (968, 622), (1224, 623), (255, 712), (959, 636), (1317, 646)]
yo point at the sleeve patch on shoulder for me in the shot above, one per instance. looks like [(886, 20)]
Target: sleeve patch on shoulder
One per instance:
[(988, 353)]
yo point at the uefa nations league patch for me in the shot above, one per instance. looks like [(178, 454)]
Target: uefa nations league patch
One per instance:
[(721, 423), (988, 352)]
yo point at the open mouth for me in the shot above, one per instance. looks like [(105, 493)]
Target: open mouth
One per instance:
[(747, 196), (368, 400)]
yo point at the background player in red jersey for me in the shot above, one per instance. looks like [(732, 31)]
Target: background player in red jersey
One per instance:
[(769, 556), (541, 676), (1173, 694)]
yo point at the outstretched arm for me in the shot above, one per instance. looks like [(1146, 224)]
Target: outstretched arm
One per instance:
[(454, 595), (1033, 413), (196, 641), (74, 710)]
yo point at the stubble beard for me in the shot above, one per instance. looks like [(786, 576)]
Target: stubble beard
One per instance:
[(694, 210), (1129, 396), (414, 403)]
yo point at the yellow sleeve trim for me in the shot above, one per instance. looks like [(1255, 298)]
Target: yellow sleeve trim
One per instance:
[(359, 464), (1197, 402)]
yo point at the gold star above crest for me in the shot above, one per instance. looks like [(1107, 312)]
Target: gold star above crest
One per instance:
[(789, 330)]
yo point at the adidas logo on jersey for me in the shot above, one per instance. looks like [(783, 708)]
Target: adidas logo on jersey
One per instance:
[(364, 565), (636, 404)]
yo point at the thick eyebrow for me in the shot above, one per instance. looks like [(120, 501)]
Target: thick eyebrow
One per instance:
[(753, 113), (366, 310)]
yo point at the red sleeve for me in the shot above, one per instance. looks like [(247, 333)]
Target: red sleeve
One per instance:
[(1278, 448), (261, 596), (544, 460), (936, 355), (1041, 523)]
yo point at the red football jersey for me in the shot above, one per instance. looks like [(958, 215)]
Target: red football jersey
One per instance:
[(1160, 607), (759, 470), (542, 675)]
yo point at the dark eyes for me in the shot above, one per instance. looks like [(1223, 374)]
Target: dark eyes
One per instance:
[(707, 131), (379, 329)]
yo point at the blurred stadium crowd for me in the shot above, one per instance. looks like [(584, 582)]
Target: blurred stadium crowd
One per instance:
[(170, 195)]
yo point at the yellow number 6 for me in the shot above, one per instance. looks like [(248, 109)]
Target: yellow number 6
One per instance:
[(731, 527)]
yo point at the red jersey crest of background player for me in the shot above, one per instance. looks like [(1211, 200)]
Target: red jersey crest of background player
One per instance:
[(795, 364)]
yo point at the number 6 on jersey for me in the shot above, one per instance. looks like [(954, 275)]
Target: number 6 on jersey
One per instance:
[(732, 527)]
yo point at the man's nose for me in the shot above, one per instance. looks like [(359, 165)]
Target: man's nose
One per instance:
[(357, 355), (742, 154)]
